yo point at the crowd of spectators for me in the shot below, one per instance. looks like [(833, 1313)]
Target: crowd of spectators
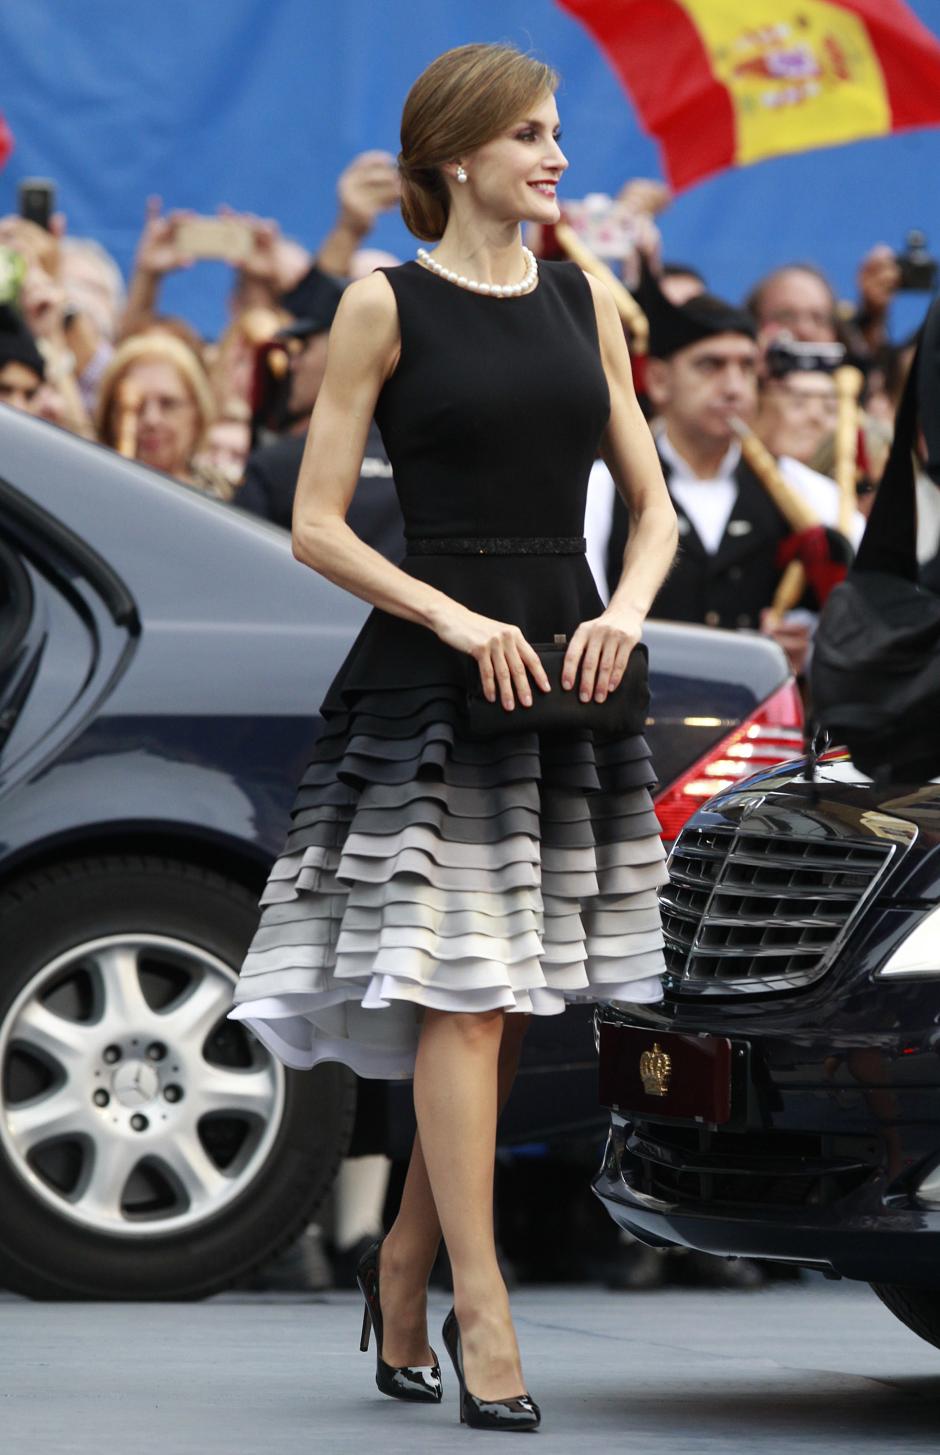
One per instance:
[(98, 356), (83, 348)]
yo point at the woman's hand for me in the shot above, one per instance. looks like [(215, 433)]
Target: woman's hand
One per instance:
[(794, 636), (43, 303), (263, 262), (38, 245), (502, 654), (602, 647), (368, 186), (879, 276), (158, 251)]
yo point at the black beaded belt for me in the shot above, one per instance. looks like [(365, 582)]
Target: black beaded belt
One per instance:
[(496, 546)]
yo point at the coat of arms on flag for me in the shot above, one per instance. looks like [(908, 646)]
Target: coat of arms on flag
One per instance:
[(724, 83)]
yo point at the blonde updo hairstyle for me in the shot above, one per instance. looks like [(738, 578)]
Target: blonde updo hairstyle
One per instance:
[(464, 99)]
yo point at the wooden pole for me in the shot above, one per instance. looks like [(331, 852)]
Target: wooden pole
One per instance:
[(792, 507), (849, 382)]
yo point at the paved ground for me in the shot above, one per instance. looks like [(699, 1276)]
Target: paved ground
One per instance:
[(795, 1368)]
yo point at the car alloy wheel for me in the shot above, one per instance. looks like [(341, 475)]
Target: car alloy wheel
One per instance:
[(132, 1106)]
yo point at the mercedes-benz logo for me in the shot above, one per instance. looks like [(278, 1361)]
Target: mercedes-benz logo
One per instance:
[(135, 1083)]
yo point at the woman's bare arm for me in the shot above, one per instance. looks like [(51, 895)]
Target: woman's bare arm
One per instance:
[(363, 351), (630, 454)]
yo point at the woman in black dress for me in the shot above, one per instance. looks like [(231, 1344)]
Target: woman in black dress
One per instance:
[(436, 887)]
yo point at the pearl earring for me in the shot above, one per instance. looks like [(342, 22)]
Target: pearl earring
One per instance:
[(461, 174)]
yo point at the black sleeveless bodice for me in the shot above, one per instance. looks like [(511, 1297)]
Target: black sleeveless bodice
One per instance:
[(492, 421), (493, 415)]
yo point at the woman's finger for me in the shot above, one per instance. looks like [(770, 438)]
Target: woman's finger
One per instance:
[(533, 661), (487, 676), (572, 662), (520, 681), (592, 652), (620, 664), (605, 667), (503, 677)]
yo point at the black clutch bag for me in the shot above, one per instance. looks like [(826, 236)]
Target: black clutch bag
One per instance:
[(622, 713)]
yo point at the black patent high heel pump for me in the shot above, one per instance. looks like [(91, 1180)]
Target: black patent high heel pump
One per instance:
[(419, 1383), (519, 1413)]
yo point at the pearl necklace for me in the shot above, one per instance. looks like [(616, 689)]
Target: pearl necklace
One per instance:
[(492, 290)]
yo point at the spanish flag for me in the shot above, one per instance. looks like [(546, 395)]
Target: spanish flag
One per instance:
[(722, 83)]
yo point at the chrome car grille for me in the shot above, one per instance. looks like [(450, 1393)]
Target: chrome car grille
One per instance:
[(752, 910)]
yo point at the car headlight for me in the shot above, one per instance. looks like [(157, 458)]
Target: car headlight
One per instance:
[(928, 1192), (919, 952)]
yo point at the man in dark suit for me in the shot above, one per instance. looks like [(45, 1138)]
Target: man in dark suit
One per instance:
[(702, 374), (271, 472)]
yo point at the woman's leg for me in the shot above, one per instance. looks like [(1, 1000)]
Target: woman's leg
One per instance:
[(456, 1103), (411, 1245)]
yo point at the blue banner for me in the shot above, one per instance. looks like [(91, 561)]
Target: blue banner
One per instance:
[(261, 103)]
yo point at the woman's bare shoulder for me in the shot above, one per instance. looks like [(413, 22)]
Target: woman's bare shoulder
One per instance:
[(365, 331), (369, 304)]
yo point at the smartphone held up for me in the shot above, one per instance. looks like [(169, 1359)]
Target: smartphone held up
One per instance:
[(226, 239), (36, 197)]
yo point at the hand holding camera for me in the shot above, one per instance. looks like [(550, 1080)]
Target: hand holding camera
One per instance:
[(646, 196), (884, 272), (180, 238), (878, 278), (160, 250), (368, 186), (251, 244), (42, 300), (39, 248)]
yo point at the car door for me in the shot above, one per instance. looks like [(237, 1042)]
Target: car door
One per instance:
[(67, 630), (23, 638)]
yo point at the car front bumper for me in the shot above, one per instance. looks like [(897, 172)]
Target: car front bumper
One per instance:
[(817, 1163)]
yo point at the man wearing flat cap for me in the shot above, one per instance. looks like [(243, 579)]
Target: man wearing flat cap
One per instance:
[(702, 374), (22, 369)]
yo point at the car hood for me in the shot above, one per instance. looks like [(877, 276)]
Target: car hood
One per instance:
[(225, 564)]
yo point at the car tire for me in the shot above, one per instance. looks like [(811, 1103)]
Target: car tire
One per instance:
[(918, 1308), (234, 1151)]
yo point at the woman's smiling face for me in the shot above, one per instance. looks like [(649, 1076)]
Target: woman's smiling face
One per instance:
[(514, 176)]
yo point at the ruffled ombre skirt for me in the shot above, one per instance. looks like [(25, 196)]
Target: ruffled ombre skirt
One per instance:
[(427, 868)]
